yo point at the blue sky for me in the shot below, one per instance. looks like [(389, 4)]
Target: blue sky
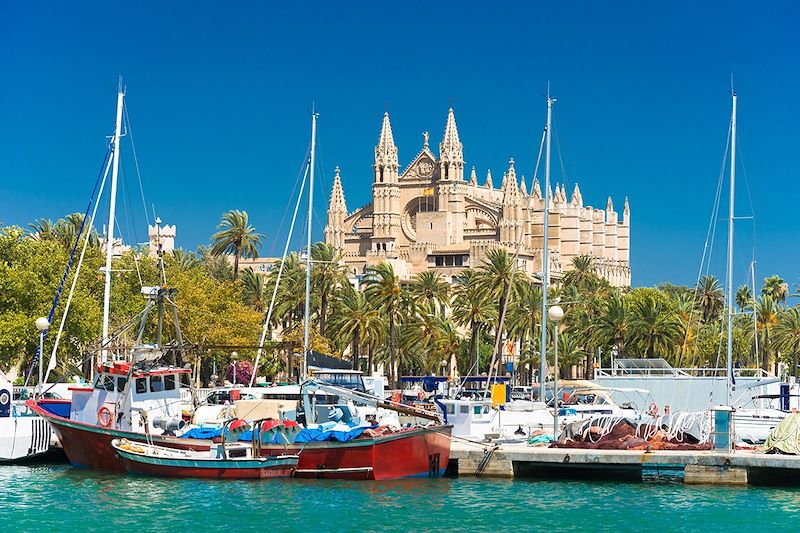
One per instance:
[(219, 96)]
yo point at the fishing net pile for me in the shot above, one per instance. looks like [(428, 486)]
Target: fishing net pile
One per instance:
[(619, 433), (785, 438)]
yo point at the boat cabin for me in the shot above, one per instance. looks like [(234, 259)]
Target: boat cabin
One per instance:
[(139, 400)]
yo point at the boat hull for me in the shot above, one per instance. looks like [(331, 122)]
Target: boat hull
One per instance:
[(23, 438), (205, 468), (418, 452)]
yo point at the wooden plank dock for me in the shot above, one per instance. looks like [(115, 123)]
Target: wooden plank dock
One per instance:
[(691, 467)]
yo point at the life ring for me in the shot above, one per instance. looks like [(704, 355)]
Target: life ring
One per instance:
[(421, 395), (104, 417), (652, 410)]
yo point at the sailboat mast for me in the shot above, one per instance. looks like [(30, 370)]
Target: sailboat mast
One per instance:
[(111, 219), (546, 251), (308, 243), (729, 280)]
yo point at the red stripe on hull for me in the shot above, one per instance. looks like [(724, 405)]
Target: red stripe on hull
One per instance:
[(207, 473)]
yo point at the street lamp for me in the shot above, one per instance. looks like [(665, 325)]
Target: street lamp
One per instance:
[(555, 314), (41, 324), (444, 366), (234, 355)]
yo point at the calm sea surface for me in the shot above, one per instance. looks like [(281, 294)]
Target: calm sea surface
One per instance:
[(61, 498)]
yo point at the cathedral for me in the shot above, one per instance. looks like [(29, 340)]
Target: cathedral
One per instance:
[(430, 217)]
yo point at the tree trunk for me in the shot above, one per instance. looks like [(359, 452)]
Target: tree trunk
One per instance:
[(323, 311), (356, 344), (392, 351), (236, 265), (369, 360), (473, 347), (589, 372)]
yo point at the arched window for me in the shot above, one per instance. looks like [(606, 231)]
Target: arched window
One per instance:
[(381, 169)]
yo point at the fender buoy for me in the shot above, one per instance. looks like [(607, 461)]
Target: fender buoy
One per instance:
[(420, 395), (652, 410), (104, 417)]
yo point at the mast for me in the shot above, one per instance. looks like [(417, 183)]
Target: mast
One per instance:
[(111, 219), (729, 280), (546, 253), (308, 243)]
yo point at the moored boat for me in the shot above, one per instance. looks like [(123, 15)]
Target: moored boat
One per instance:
[(223, 460)]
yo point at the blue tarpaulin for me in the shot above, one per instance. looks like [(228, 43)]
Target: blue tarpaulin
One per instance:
[(325, 432)]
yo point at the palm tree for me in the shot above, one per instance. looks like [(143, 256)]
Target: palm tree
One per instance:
[(569, 351), (655, 327), (356, 320), (776, 288), (236, 237), (431, 291), (525, 313), (449, 343), (493, 277), (183, 260), (766, 319), (710, 298), (787, 334), (327, 273), (744, 297), (382, 288), (473, 308), (42, 229), (583, 269), (612, 326), (253, 289)]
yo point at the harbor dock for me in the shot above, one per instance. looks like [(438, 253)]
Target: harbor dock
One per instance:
[(690, 467)]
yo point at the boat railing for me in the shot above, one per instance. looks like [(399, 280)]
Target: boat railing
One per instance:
[(695, 372)]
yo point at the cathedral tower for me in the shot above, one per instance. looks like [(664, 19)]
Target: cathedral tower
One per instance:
[(385, 192), (337, 212)]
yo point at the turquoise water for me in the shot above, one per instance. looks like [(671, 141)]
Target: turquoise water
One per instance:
[(61, 498)]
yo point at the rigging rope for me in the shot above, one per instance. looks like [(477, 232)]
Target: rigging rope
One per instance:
[(69, 264), (278, 279)]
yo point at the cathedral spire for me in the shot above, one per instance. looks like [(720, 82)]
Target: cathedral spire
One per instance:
[(626, 210), (337, 212), (386, 139), (523, 189), (473, 178), (451, 153), (609, 205), (489, 183), (386, 163), (536, 189), (577, 197)]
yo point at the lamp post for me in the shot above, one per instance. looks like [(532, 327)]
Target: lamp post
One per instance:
[(555, 314), (234, 355), (41, 324)]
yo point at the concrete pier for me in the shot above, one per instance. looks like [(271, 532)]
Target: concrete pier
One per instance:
[(691, 467)]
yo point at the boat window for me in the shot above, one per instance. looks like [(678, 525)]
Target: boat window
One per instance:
[(463, 409), (156, 384), (169, 382), (601, 400), (451, 409), (185, 381), (104, 382), (141, 385), (121, 382)]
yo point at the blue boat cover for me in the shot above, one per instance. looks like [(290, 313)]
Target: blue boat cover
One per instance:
[(324, 432)]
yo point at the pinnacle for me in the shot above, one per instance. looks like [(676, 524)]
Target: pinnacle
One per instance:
[(609, 205), (523, 189), (386, 139), (473, 179), (450, 138)]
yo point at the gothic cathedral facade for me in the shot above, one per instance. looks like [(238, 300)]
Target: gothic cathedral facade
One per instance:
[(429, 217)]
